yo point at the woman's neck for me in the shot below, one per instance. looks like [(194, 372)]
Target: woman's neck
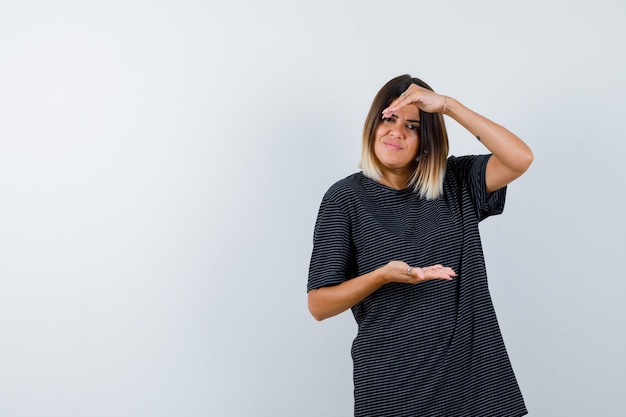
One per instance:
[(396, 180)]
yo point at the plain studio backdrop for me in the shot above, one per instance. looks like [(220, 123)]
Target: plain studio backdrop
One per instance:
[(162, 164)]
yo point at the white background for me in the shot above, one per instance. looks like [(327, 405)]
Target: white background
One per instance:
[(162, 163)]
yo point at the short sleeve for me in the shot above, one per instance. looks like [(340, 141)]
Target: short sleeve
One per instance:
[(332, 259), (471, 171)]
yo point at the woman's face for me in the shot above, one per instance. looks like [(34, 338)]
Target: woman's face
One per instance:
[(397, 140)]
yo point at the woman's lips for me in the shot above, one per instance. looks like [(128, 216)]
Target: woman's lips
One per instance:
[(392, 145)]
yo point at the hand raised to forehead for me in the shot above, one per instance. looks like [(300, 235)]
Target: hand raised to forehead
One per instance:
[(423, 98)]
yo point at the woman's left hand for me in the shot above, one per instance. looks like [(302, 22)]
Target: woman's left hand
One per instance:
[(424, 99)]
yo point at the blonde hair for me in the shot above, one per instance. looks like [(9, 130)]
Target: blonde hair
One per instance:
[(427, 179)]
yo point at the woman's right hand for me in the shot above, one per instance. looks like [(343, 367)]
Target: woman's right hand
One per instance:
[(326, 302), (398, 271)]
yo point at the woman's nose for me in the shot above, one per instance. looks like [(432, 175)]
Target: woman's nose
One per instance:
[(397, 131)]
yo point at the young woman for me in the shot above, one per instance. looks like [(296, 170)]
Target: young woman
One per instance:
[(399, 244)]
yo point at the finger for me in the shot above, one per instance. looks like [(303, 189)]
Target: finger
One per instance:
[(440, 269), (438, 266), (445, 273), (399, 102), (433, 272), (414, 275), (388, 112), (420, 273)]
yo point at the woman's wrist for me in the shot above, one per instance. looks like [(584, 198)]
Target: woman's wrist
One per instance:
[(380, 276), (449, 105)]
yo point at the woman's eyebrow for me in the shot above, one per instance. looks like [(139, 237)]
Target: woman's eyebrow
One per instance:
[(395, 116)]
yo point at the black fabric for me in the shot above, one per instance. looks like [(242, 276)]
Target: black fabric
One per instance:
[(431, 349)]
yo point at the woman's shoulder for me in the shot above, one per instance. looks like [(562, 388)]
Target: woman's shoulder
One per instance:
[(457, 160), (465, 163), (345, 187)]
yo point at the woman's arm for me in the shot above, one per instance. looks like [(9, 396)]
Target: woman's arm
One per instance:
[(510, 158), (326, 302)]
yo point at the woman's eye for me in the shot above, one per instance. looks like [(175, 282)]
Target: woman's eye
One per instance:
[(412, 127), (387, 119)]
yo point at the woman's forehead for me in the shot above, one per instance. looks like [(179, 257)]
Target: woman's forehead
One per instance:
[(410, 111)]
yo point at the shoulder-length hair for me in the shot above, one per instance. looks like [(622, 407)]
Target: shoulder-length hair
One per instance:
[(432, 151)]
